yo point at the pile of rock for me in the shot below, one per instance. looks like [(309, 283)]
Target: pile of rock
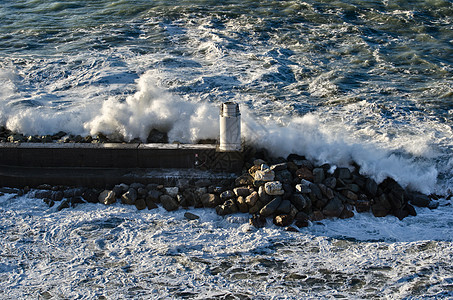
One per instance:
[(290, 191), (7, 136)]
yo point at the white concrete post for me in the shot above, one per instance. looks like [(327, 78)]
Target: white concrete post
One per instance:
[(230, 127)]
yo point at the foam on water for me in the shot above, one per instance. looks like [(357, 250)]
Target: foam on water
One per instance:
[(118, 252)]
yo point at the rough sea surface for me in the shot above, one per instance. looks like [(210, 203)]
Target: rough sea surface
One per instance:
[(343, 81)]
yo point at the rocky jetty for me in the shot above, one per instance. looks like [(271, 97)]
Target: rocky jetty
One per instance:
[(292, 192)]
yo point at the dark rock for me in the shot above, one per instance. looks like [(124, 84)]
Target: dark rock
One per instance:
[(264, 198), (395, 193), (304, 187), (301, 223), (76, 200), (433, 205), (292, 167), (59, 135), (401, 213), (371, 187), (257, 207), (154, 195), (57, 196), (315, 192), (210, 200), (317, 215), (304, 173), (283, 220), (300, 202), (156, 136), (284, 207), (318, 175), (243, 180), (91, 196), (350, 195), (227, 195), (271, 207), (120, 189), (251, 199), (418, 199), (140, 204), (291, 229), (330, 182), (41, 194), (279, 167), (169, 203), (379, 210), (74, 192), (191, 216), (301, 216), (242, 205), (359, 180), (142, 192), (64, 204), (49, 202), (293, 157), (227, 208), (284, 177), (347, 212), (362, 206), (342, 173), (257, 221), (411, 210), (242, 191), (190, 198), (107, 197), (129, 197), (334, 208), (150, 204), (327, 192)]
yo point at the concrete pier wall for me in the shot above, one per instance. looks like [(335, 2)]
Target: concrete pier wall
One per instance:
[(101, 164)]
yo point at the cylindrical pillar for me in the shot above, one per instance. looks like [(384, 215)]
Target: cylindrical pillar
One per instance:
[(230, 127)]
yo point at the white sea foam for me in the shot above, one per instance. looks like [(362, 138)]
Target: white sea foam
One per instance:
[(118, 252)]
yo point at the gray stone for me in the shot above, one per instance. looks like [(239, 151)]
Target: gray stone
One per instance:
[(264, 175), (154, 195), (210, 200), (342, 173), (120, 189), (300, 201), (242, 191), (251, 199), (227, 208), (169, 203), (242, 205), (140, 204), (274, 188), (191, 216), (244, 179), (279, 167), (318, 175), (283, 220), (256, 208), (284, 207), (172, 191), (419, 199), (107, 197), (334, 208), (150, 204), (315, 191), (264, 198), (271, 207), (257, 221), (284, 176), (303, 163), (64, 204), (142, 192), (227, 195), (304, 187), (371, 187), (129, 197), (330, 182)]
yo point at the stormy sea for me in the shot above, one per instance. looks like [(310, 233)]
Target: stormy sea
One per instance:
[(342, 82)]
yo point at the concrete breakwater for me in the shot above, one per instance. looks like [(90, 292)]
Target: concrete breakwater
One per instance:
[(290, 190)]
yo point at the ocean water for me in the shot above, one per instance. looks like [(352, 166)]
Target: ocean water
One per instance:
[(337, 81)]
